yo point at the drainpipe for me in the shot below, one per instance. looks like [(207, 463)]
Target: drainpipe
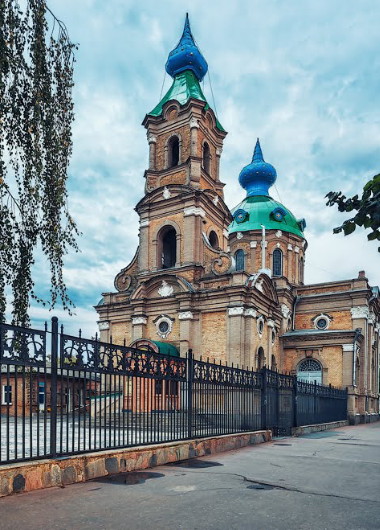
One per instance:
[(357, 333), (296, 300)]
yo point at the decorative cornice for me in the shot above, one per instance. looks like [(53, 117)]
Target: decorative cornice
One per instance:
[(348, 347), (144, 224), (360, 312), (165, 289), (270, 323), (152, 139), (193, 210), (136, 321), (185, 315), (166, 193), (235, 311), (250, 312), (285, 311), (194, 123), (103, 325)]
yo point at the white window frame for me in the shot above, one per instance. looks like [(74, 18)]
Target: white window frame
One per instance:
[(3, 402)]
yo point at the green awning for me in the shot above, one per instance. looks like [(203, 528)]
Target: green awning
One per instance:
[(166, 348)]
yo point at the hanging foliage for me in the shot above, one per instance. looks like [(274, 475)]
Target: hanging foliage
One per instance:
[(36, 116)]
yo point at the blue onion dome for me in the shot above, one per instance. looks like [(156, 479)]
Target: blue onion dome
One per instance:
[(258, 176), (186, 56)]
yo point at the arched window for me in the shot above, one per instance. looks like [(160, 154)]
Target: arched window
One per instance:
[(277, 262), (168, 248), (310, 370), (260, 358), (173, 151), (206, 157), (213, 238), (301, 269), (273, 363), (239, 260)]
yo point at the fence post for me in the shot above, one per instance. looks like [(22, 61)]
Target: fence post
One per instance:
[(190, 378), (295, 401), (53, 386), (316, 419), (264, 396)]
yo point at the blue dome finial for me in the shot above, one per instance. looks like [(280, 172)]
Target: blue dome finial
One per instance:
[(186, 55), (258, 176)]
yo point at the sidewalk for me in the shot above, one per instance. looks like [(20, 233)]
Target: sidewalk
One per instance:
[(326, 480)]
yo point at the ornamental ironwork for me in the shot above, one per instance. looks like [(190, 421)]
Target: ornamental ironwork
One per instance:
[(22, 346), (93, 355)]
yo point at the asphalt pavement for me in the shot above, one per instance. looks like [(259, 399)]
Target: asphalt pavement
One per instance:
[(328, 480)]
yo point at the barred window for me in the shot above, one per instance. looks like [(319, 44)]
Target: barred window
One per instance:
[(7, 395), (277, 262)]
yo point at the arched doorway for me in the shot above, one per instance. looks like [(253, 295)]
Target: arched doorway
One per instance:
[(310, 371)]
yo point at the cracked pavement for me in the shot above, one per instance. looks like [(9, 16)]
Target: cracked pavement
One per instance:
[(328, 480)]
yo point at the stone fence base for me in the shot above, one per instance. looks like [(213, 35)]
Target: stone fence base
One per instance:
[(307, 429), (29, 476)]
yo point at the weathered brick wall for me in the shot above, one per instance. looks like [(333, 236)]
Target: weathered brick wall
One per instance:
[(214, 336)]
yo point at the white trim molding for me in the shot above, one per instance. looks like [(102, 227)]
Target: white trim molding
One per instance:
[(103, 325), (235, 311), (270, 323), (185, 315), (193, 210), (137, 321), (144, 223), (361, 311), (348, 347), (250, 312)]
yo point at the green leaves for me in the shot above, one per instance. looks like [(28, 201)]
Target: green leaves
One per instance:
[(36, 109), (367, 207)]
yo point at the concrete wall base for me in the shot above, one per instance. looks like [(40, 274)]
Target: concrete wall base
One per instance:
[(307, 429), (355, 419), (29, 476)]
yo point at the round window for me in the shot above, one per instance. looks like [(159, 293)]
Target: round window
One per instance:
[(322, 323), (163, 326)]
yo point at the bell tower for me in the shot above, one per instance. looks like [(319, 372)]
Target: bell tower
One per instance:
[(183, 209)]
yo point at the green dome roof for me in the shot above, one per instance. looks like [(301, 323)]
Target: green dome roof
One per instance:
[(259, 210)]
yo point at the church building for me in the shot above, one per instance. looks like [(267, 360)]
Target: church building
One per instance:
[(229, 284)]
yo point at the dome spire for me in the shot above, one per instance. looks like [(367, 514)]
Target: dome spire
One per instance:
[(186, 56), (258, 176)]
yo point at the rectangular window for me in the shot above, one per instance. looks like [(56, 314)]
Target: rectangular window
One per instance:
[(7, 395)]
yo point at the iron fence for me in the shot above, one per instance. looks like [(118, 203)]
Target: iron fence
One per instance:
[(64, 395)]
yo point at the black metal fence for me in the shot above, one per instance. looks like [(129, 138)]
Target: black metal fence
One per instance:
[(63, 395)]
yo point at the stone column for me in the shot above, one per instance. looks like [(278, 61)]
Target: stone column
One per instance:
[(192, 234), (194, 126), (144, 246), (235, 335), (185, 337), (218, 155), (138, 327), (152, 140)]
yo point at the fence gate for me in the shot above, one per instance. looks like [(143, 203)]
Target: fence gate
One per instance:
[(277, 402)]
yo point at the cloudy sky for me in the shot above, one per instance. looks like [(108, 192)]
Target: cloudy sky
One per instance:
[(304, 76)]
